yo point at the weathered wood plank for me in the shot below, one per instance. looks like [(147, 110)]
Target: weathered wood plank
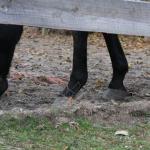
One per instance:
[(112, 16)]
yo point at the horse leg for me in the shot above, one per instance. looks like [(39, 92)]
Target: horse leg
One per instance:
[(79, 73), (116, 89), (9, 36)]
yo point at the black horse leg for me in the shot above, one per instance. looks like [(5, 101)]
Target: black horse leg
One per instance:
[(9, 36), (117, 89), (79, 73)]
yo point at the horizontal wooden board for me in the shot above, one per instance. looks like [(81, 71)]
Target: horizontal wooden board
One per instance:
[(111, 16)]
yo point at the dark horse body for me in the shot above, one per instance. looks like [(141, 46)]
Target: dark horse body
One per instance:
[(11, 34)]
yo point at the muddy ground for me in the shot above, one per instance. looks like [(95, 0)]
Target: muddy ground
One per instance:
[(39, 60)]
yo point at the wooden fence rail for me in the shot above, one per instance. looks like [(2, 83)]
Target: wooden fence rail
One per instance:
[(112, 16)]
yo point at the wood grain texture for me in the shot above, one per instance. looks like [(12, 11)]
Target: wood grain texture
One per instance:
[(111, 16)]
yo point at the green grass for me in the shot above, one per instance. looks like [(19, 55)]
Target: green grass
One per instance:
[(33, 133)]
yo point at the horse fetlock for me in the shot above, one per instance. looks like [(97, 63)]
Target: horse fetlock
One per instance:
[(117, 83), (121, 69), (80, 77)]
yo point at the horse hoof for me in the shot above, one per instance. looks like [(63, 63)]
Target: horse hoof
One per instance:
[(67, 92), (116, 94), (71, 91), (3, 86)]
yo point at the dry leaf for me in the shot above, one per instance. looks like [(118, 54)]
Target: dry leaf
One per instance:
[(122, 132)]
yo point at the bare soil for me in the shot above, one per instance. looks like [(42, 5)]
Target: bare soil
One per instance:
[(41, 69)]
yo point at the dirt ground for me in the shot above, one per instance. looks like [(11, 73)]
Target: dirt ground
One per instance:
[(39, 59)]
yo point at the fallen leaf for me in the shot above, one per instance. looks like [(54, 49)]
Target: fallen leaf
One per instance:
[(74, 125), (17, 76), (70, 101), (66, 148), (51, 80), (122, 132), (99, 83)]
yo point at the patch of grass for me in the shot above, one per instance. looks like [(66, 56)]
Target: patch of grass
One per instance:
[(32, 133)]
